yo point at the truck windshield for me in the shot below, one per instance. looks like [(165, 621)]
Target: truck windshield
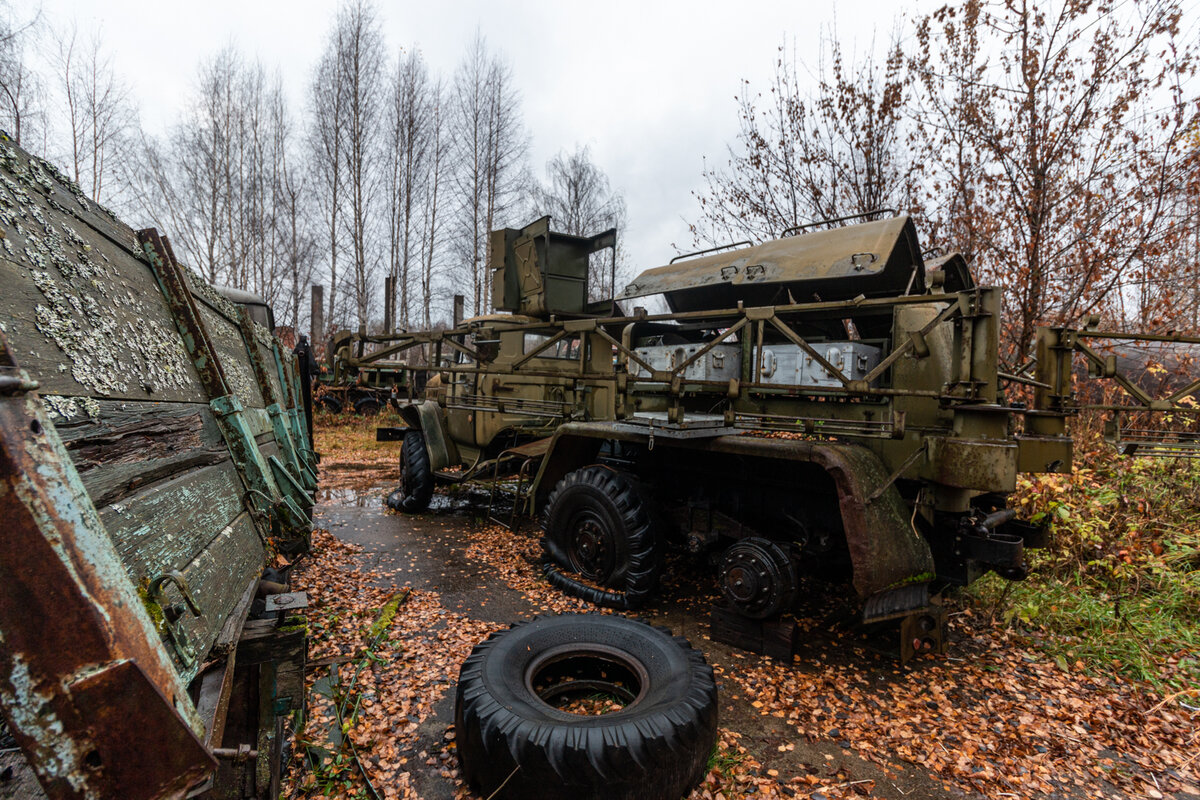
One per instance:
[(564, 348)]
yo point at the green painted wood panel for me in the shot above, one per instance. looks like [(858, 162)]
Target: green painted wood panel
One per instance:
[(165, 526)]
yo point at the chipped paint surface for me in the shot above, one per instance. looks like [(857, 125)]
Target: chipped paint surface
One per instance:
[(67, 611), (31, 710), (109, 329), (95, 325), (67, 408)]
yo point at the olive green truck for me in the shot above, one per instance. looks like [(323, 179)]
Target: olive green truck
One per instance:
[(828, 401)]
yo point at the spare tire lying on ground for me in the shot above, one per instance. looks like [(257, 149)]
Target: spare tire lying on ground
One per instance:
[(514, 737)]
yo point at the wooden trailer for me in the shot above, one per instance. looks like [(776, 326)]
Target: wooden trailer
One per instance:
[(154, 461)]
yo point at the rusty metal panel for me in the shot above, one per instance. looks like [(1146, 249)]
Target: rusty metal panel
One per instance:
[(79, 653)]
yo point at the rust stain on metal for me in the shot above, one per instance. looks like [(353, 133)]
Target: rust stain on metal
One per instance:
[(85, 689)]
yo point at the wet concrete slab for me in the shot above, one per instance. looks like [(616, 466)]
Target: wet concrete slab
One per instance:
[(425, 552)]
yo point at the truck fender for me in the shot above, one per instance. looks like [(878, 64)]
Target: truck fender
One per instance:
[(427, 417)]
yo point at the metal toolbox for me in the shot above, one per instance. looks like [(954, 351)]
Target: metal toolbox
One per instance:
[(721, 363), (788, 365)]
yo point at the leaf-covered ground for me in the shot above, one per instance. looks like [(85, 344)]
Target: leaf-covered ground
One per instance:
[(997, 716)]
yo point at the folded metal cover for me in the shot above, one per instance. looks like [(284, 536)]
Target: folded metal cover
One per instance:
[(875, 259)]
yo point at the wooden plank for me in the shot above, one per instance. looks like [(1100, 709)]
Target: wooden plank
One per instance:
[(268, 357), (22, 782), (268, 447), (772, 637), (216, 686), (166, 526), (231, 631), (212, 705), (231, 352), (84, 315), (258, 421), (285, 647), (130, 445), (217, 577)]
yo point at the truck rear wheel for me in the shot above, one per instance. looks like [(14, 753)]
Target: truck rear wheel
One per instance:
[(367, 406), (416, 476), (757, 578), (598, 527)]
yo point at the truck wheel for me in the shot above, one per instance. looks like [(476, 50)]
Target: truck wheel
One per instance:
[(416, 477), (757, 578), (597, 526), (367, 406), (331, 404), (513, 732)]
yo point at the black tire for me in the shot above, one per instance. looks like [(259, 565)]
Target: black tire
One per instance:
[(331, 404), (655, 748), (597, 525), (757, 578), (416, 476), (367, 406)]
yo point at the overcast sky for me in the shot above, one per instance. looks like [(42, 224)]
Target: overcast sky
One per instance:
[(649, 86)]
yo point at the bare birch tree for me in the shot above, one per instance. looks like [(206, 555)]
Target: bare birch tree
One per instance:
[(431, 222), (99, 114), (490, 147), (294, 243), (360, 70), (578, 197), (409, 122), (21, 111), (326, 106), (223, 184)]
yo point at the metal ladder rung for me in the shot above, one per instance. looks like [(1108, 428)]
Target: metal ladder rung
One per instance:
[(521, 497)]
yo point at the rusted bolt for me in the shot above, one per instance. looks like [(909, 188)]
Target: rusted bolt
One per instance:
[(240, 754)]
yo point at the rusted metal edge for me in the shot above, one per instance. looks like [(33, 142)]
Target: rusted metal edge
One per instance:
[(85, 684), (183, 310)]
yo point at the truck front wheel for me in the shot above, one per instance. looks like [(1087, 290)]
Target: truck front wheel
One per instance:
[(416, 476), (598, 527)]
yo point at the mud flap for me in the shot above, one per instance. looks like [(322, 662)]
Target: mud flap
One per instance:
[(886, 551), (427, 416)]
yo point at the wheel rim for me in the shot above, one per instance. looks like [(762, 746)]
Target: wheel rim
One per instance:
[(743, 584), (591, 547), (755, 578), (566, 673)]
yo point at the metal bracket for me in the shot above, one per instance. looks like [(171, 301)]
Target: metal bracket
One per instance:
[(287, 600), (173, 612)]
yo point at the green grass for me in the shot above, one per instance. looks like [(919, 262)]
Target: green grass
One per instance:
[(1151, 636), (1118, 591), (724, 762)]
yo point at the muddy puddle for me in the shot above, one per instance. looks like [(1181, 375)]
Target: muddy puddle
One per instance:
[(363, 488)]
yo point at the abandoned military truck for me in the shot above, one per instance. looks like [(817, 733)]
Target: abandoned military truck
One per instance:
[(828, 400)]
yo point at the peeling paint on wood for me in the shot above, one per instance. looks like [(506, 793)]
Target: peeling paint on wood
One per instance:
[(141, 441)]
